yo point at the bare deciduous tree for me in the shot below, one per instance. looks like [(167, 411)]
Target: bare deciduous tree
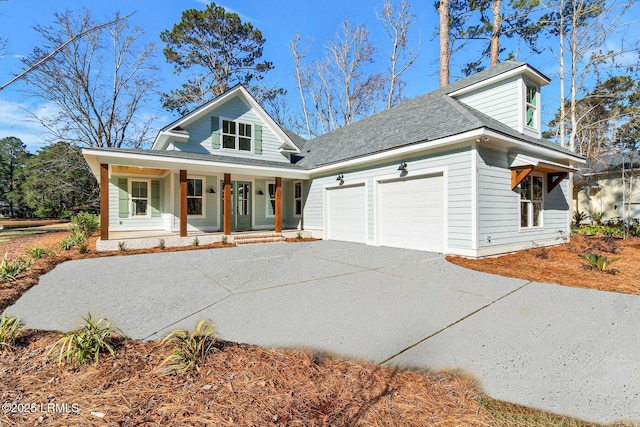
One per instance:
[(338, 87), (97, 84), (397, 21)]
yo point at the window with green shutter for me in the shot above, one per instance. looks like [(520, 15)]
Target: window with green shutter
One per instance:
[(215, 133), (531, 106), (123, 198)]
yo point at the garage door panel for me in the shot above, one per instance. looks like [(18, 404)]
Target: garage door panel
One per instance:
[(410, 213), (346, 214)]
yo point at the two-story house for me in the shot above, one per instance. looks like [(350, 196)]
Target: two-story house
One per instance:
[(461, 170)]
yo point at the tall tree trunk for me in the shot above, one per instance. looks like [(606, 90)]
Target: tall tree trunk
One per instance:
[(445, 50), (563, 112), (495, 33)]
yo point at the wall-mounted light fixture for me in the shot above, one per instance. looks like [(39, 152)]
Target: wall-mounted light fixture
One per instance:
[(260, 192), (340, 178), (212, 190), (403, 167)]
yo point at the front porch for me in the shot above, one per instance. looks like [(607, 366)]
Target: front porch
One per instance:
[(153, 238)]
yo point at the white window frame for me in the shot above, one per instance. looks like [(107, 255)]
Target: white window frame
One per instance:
[(236, 135), (530, 203), (204, 200), (295, 199), (130, 182), (536, 106), (268, 199)]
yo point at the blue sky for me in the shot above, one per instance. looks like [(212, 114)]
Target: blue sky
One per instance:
[(279, 21)]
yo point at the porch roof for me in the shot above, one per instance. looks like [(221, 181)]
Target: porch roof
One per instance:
[(195, 162)]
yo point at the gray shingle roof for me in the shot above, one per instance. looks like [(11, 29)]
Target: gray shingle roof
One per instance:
[(428, 117)]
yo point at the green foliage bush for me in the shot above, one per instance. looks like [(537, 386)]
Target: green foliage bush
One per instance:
[(10, 329), (87, 343), (190, 349), (37, 253), (85, 223), (72, 240), (600, 263), (9, 270), (161, 244), (578, 217)]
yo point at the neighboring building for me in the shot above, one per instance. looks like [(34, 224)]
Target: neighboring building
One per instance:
[(461, 170), (610, 185)]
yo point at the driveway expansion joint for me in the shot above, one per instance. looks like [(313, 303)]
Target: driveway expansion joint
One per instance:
[(388, 359)]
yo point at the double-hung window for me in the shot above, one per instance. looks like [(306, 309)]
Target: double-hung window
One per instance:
[(531, 106), (236, 135), (531, 190), (297, 198), (139, 191), (195, 198)]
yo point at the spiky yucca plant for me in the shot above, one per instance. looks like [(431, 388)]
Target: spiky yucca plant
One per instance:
[(190, 349)]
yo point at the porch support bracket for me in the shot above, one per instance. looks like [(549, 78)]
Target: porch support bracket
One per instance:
[(518, 175), (183, 203), (104, 201), (227, 205), (278, 210), (554, 179)]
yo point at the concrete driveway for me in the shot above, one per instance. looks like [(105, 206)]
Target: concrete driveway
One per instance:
[(569, 351)]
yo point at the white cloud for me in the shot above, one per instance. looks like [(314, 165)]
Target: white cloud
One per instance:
[(16, 120)]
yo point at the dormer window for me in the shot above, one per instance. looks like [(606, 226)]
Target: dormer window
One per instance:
[(531, 106), (236, 135)]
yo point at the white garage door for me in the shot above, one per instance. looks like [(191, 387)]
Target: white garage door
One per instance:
[(347, 214), (410, 213)]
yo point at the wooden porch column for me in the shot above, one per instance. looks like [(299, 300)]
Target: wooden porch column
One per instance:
[(227, 204), (183, 203), (104, 201), (278, 211)]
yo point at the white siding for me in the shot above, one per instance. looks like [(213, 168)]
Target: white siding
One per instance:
[(499, 208), (456, 163), (234, 109), (501, 101)]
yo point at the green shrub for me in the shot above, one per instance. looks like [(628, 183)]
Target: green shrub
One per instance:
[(190, 349), (72, 240), (37, 253), (600, 262), (85, 223), (122, 246), (578, 217), (224, 239), (10, 329), (9, 270), (195, 241), (299, 236), (83, 248), (161, 244), (597, 217), (85, 344)]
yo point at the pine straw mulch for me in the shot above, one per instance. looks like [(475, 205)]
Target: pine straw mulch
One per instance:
[(565, 265), (239, 385)]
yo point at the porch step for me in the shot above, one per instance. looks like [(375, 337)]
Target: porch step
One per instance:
[(256, 238)]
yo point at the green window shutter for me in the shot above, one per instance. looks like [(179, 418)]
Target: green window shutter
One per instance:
[(123, 198), (215, 133), (155, 199), (258, 140)]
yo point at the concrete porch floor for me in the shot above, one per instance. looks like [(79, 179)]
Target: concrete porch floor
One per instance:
[(144, 239)]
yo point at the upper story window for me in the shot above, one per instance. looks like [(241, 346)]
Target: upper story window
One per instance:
[(531, 190), (236, 135), (531, 106)]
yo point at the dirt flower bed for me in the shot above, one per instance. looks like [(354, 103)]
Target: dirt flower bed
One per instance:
[(565, 264)]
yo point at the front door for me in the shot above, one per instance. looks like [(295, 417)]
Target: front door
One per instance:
[(240, 205)]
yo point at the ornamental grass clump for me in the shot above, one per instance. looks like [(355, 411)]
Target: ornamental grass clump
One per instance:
[(189, 349), (86, 344), (10, 329), (9, 270), (37, 253)]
